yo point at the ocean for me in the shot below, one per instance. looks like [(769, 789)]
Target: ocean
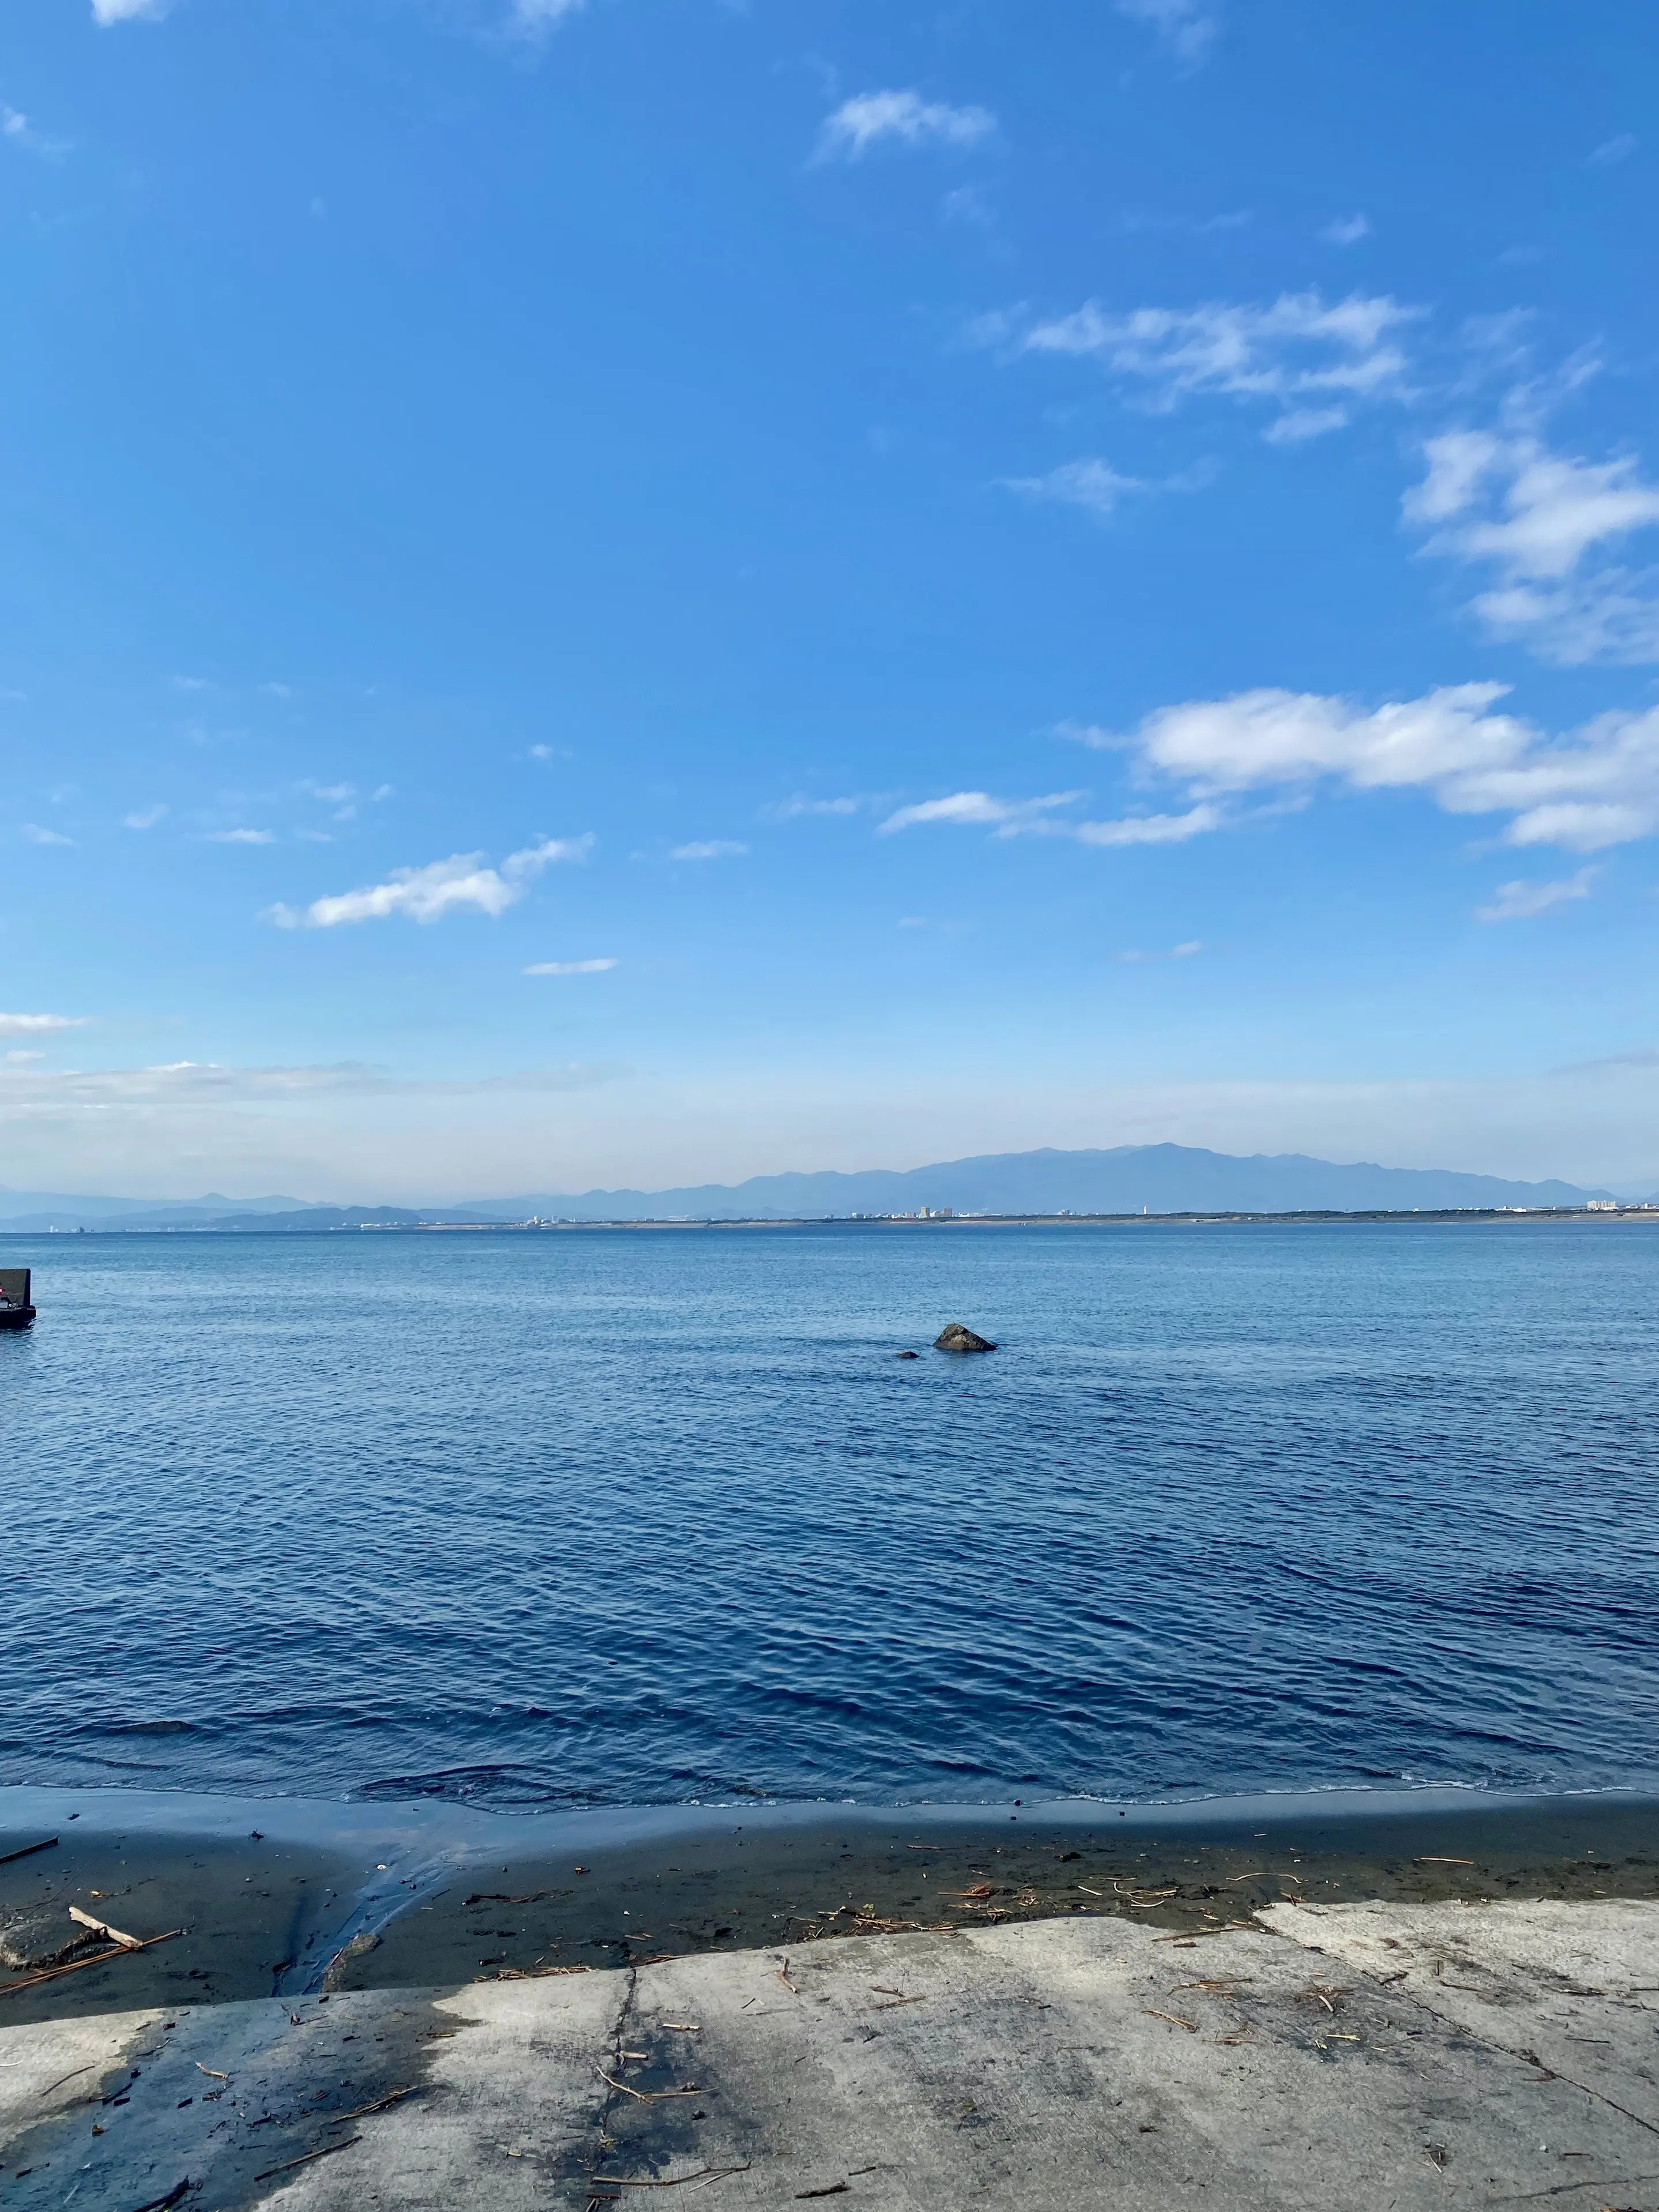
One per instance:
[(658, 1517)]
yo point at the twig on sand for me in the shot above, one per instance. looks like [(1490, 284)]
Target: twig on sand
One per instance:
[(103, 1928), (28, 1852), (160, 2204), (835, 2189), (1429, 1858), (62, 2078), (683, 2026), (1174, 2018), (380, 2106), (327, 2151), (78, 1965), (783, 1976), (649, 2096), (212, 2071), (702, 2174)]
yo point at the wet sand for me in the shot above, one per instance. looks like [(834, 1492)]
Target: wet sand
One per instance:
[(307, 1897)]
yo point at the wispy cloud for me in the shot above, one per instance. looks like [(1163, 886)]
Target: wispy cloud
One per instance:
[(39, 1024), (1100, 490), (1597, 787), (536, 16), (462, 884), (1194, 226), (1301, 423), (1300, 351), (241, 837), (186, 1085), (128, 11), (146, 818), (572, 967), (1188, 26), (1346, 230), (1538, 518), (1613, 150), (978, 808), (1151, 829), (709, 848), (1092, 484), (1520, 901), (1187, 952), (902, 119), (791, 810), (37, 836), (17, 130)]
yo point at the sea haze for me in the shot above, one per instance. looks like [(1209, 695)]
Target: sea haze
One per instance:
[(638, 1516), (1124, 1179)]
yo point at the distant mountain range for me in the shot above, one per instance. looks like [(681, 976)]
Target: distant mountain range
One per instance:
[(1126, 1179)]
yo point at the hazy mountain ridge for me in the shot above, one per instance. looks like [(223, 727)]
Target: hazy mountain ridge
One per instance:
[(1126, 1179)]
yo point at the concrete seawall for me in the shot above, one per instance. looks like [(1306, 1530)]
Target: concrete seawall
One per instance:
[(1357, 2055)]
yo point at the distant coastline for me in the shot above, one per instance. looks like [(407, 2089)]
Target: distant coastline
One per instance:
[(1123, 1183), (1594, 1211)]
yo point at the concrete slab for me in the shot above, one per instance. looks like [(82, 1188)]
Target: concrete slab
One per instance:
[(1326, 2057)]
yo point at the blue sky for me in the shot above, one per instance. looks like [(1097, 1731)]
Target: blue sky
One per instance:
[(654, 590)]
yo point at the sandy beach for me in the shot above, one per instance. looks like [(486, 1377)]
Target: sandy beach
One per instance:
[(294, 1899)]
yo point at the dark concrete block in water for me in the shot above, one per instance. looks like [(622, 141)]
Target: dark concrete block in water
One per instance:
[(953, 1337)]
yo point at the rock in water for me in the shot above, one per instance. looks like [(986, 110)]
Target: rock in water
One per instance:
[(953, 1337), (906, 1355)]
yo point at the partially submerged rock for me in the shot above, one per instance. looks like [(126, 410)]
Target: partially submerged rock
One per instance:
[(953, 1337), (906, 1355)]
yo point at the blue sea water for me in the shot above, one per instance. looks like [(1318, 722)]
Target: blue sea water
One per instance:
[(652, 1517)]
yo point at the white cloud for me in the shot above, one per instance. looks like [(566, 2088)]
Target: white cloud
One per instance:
[(1176, 952), (22, 1059), (1093, 485), (1297, 351), (1542, 511), (1149, 829), (709, 848), (187, 1083), (39, 1024), (145, 819), (1520, 901), (1188, 26), (1617, 148), (572, 967), (128, 11), (1597, 787), (459, 885), (1346, 230), (336, 794), (37, 836), (1301, 423), (542, 14), (1008, 816), (17, 130), (242, 837), (790, 810), (906, 117), (1536, 517)]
